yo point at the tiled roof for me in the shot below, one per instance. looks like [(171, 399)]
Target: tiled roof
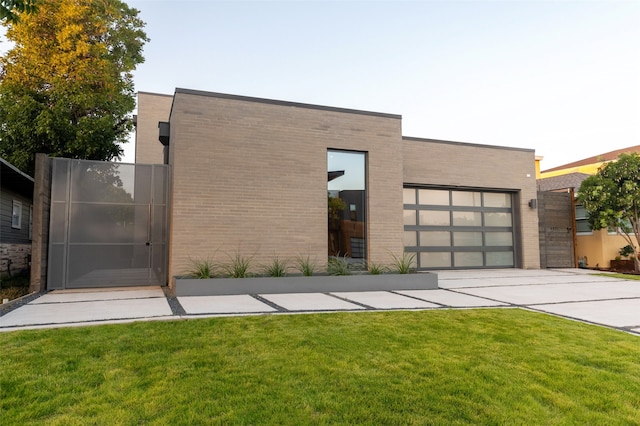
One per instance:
[(607, 156), (570, 180)]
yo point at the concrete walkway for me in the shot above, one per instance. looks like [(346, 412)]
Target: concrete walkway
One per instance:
[(570, 293)]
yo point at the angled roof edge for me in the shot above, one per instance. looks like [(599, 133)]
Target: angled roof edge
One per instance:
[(284, 103), (476, 145), (15, 169), (600, 158), (142, 92)]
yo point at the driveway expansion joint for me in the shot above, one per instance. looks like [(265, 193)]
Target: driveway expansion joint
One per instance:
[(269, 303)]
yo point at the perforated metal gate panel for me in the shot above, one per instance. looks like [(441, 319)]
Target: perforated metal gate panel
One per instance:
[(108, 224)]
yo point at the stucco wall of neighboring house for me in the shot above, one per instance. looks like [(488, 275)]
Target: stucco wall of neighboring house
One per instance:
[(451, 164), (156, 108), (250, 176), (600, 248)]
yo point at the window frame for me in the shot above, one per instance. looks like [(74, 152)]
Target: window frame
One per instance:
[(16, 215)]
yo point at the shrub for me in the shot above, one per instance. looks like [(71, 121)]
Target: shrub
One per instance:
[(338, 266), (238, 266), (202, 269), (626, 250), (305, 265), (277, 268), (404, 264), (375, 268)]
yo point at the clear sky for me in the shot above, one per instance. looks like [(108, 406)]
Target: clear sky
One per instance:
[(560, 77)]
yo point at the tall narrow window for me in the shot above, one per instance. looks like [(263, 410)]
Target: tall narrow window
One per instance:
[(346, 191), (16, 215)]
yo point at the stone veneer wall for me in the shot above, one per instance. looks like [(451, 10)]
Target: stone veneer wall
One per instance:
[(250, 176), (451, 164), (18, 254)]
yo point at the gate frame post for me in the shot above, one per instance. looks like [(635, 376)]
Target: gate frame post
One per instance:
[(41, 214)]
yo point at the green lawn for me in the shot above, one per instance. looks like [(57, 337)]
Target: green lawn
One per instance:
[(487, 366)]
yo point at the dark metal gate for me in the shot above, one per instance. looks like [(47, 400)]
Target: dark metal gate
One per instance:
[(108, 225), (556, 229)]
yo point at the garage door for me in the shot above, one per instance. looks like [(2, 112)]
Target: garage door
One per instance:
[(454, 229)]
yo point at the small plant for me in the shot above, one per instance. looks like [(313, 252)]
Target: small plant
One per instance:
[(305, 265), (626, 251), (375, 268), (202, 269), (404, 264), (238, 266), (338, 266), (277, 268)]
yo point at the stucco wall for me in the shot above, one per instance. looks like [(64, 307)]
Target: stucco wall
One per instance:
[(599, 248), (156, 108), (250, 176), (450, 164)]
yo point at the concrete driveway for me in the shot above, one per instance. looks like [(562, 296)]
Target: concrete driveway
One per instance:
[(570, 293)]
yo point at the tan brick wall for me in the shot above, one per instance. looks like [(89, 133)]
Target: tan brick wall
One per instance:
[(430, 162), (155, 107), (251, 177)]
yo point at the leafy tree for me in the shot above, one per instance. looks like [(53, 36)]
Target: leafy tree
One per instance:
[(9, 8), (66, 88), (611, 198)]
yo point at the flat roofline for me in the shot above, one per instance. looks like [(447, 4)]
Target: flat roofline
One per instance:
[(475, 145), (140, 92), (285, 103)]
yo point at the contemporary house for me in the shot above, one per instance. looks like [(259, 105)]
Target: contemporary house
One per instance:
[(593, 248), (220, 175), (273, 178), (16, 207)]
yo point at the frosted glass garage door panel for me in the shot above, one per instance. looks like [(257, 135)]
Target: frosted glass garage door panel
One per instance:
[(468, 259), (498, 219), (409, 196), (435, 260), (435, 239), (497, 200), (467, 219), (500, 258), (465, 239), (499, 238), (434, 218)]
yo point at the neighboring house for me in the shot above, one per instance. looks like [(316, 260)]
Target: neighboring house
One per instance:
[(252, 175), (594, 249), (16, 207)]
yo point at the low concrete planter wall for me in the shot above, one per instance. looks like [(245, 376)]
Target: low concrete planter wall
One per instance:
[(300, 284)]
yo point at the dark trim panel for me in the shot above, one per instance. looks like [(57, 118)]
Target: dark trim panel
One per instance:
[(474, 145), (284, 103)]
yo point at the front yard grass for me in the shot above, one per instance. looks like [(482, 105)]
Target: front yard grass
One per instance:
[(485, 366)]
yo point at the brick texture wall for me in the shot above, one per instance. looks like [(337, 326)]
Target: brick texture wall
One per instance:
[(250, 176), (156, 108), (432, 162)]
